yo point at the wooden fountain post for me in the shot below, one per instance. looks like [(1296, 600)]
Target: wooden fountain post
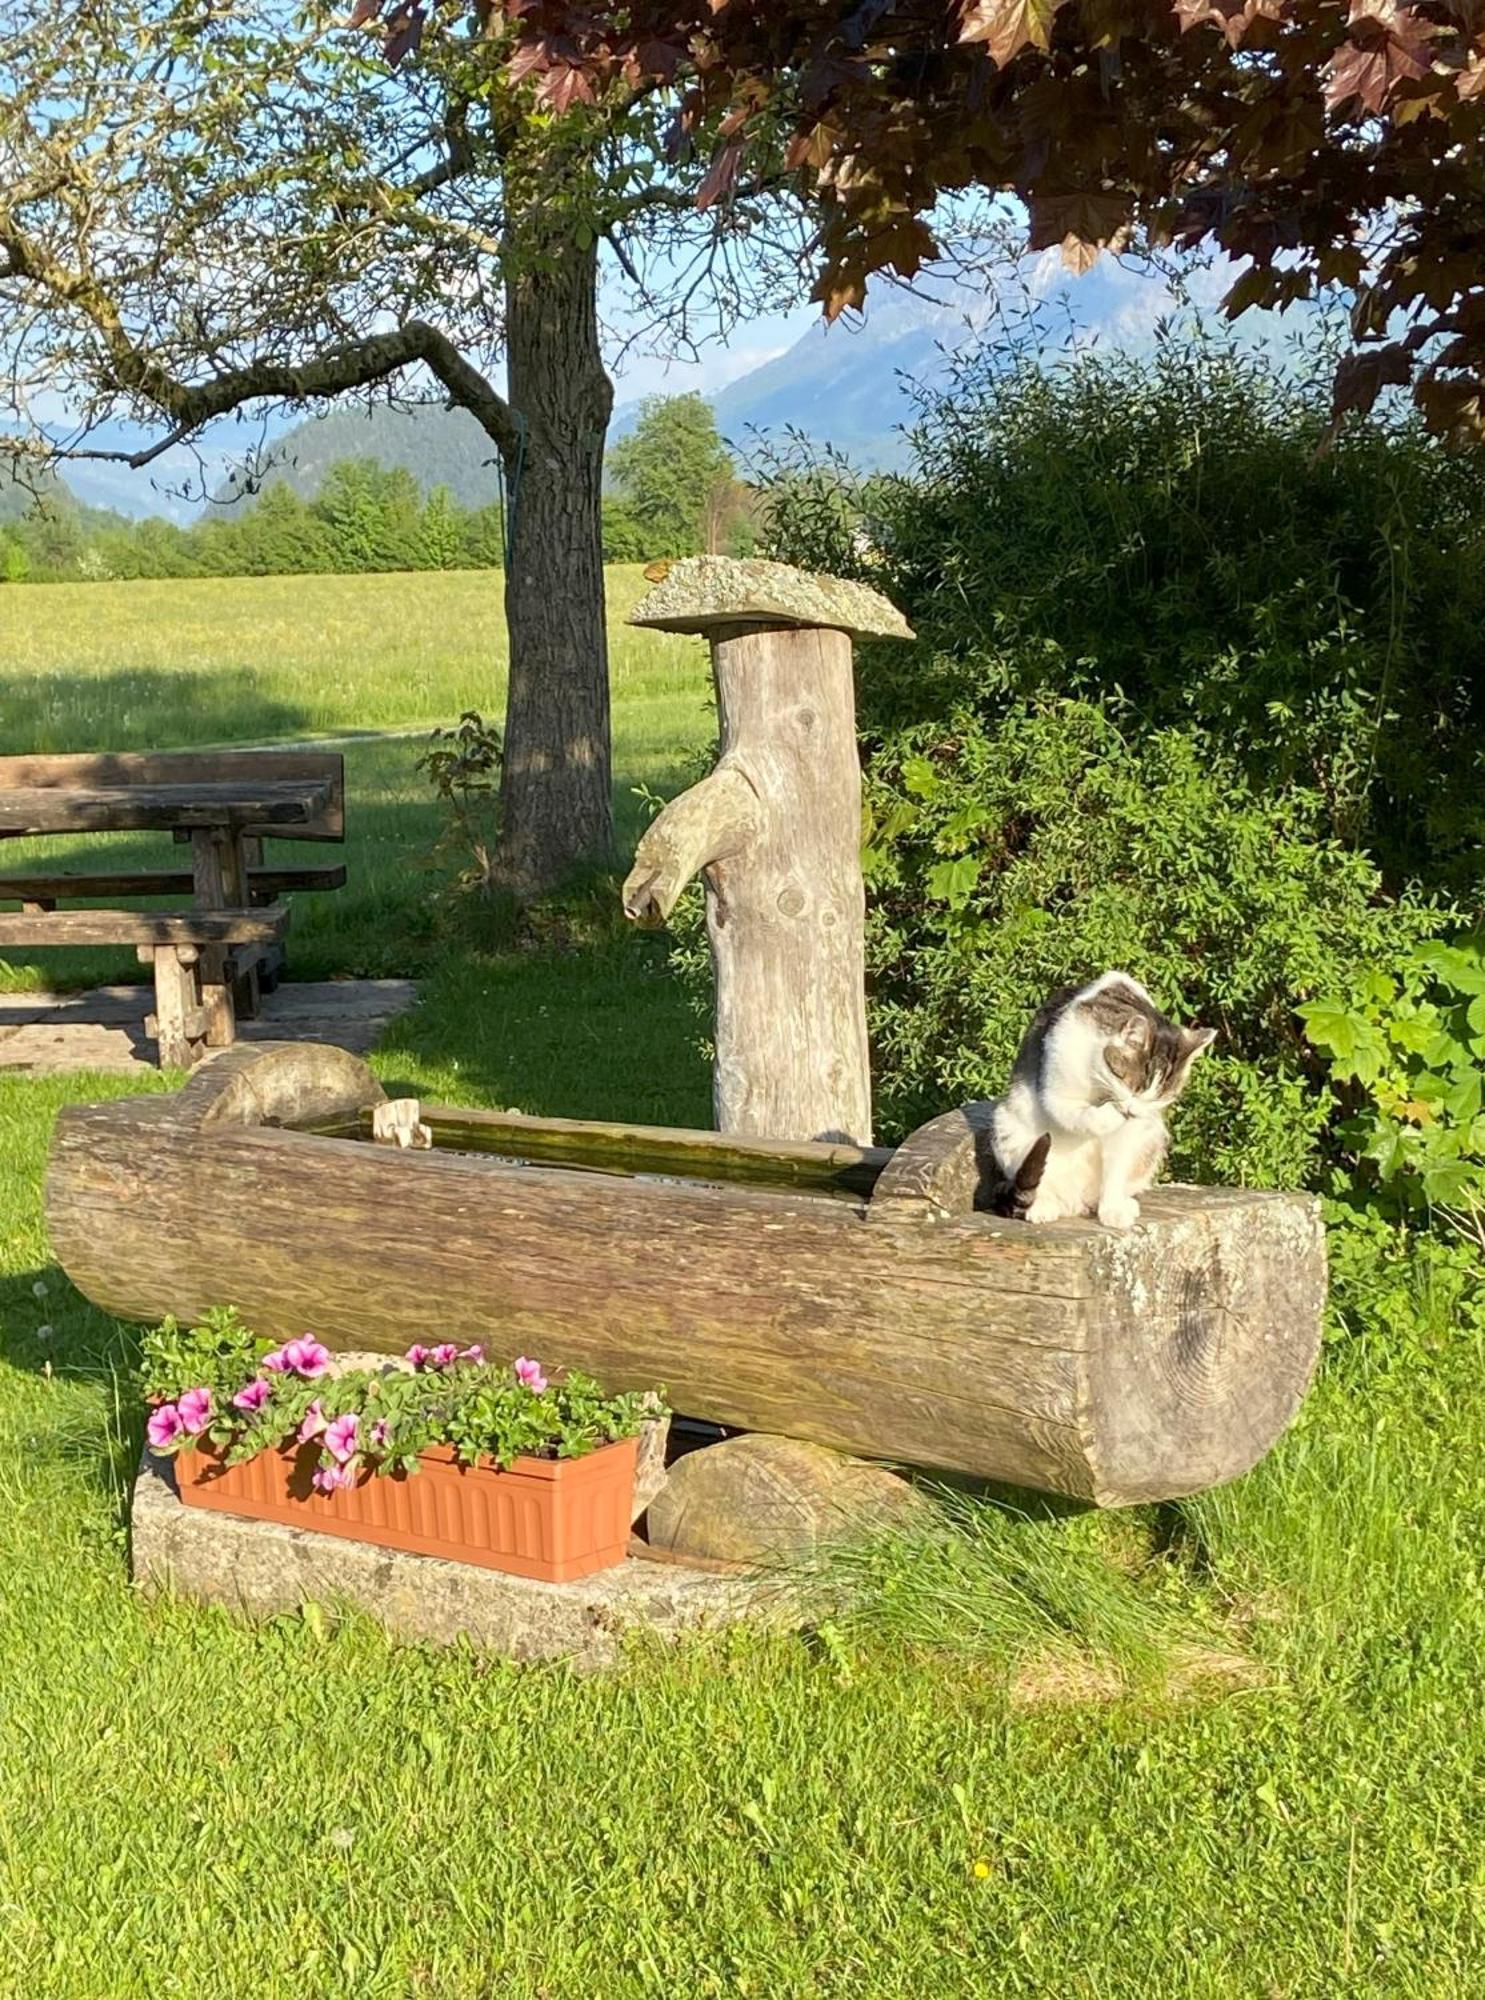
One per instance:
[(774, 831)]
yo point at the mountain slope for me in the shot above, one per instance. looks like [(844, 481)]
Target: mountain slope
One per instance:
[(850, 385)]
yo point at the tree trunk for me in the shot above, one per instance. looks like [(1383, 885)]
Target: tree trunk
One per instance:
[(556, 784)]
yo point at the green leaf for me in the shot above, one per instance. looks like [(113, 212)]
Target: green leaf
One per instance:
[(1451, 1184), (953, 882), (1463, 1101), (920, 778), (1459, 966), (1331, 1027)]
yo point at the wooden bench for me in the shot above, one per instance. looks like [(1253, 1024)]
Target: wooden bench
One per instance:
[(209, 960), (194, 954), (108, 770)]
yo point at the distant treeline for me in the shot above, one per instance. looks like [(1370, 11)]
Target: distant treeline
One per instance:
[(364, 517), (674, 492)]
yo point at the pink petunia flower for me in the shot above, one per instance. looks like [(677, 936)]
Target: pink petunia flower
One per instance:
[(340, 1437), (475, 1353), (419, 1356), (253, 1396), (528, 1374), (330, 1477), (445, 1354), (307, 1357), (314, 1422), (195, 1410), (379, 1432), (164, 1427)]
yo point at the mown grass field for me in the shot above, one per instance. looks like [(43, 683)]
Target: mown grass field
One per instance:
[(1229, 1748)]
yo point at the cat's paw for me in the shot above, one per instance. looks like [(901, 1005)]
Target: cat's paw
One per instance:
[(1118, 1211), (1102, 1121), (1044, 1209)]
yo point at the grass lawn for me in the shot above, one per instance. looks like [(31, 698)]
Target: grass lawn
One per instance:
[(1027, 1766)]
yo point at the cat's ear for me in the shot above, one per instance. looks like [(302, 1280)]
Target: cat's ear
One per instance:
[(1119, 1061), (1194, 1040)]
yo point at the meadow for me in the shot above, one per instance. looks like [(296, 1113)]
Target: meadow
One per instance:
[(1223, 1748)]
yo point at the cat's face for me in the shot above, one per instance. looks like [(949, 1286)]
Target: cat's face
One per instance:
[(1144, 1060)]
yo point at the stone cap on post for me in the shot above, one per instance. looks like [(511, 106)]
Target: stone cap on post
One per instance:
[(701, 593)]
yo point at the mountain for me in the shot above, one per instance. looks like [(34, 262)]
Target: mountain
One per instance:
[(854, 385), (849, 385), (439, 447)]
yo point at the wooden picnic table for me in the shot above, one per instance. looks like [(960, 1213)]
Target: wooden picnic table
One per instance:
[(224, 809), (209, 959)]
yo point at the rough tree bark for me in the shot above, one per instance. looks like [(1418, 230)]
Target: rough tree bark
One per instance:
[(556, 783), (775, 833)]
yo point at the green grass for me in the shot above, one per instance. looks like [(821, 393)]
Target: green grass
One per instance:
[(1006, 1771), (371, 662)]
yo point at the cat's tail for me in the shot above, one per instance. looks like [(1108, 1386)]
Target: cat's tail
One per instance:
[(1013, 1198)]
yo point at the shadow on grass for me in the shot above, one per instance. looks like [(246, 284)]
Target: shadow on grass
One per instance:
[(147, 708)]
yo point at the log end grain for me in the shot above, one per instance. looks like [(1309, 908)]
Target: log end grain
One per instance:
[(1211, 1328)]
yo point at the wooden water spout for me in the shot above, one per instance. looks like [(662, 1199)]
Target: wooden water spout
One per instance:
[(775, 833)]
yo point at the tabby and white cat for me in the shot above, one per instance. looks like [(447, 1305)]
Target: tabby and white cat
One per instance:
[(1081, 1130)]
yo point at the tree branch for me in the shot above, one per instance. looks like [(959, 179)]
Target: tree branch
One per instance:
[(352, 365)]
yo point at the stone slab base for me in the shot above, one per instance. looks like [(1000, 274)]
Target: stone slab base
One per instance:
[(103, 1028), (261, 1569)]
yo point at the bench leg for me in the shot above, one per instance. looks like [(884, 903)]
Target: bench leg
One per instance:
[(217, 1001), (246, 985), (178, 1023)]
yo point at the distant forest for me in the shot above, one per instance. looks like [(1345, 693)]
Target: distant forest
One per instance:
[(673, 491)]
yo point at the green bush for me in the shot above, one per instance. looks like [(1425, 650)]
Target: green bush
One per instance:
[(1405, 1046), (1174, 531), (1008, 854), (1194, 694)]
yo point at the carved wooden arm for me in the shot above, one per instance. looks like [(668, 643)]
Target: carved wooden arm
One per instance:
[(713, 820)]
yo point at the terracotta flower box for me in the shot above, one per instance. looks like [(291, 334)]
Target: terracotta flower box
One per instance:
[(548, 1518)]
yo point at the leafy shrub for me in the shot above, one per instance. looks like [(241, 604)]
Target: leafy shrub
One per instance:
[(1173, 529), (463, 765), (1405, 1045), (1006, 856), (1190, 696)]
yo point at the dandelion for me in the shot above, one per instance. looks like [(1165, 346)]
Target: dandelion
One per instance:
[(164, 1427), (253, 1396), (45, 1332), (195, 1410), (528, 1374), (39, 1289)]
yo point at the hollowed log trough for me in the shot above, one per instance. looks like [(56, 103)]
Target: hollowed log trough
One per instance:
[(837, 1293)]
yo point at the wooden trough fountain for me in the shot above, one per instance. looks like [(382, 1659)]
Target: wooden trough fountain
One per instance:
[(828, 1291), (781, 1275)]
